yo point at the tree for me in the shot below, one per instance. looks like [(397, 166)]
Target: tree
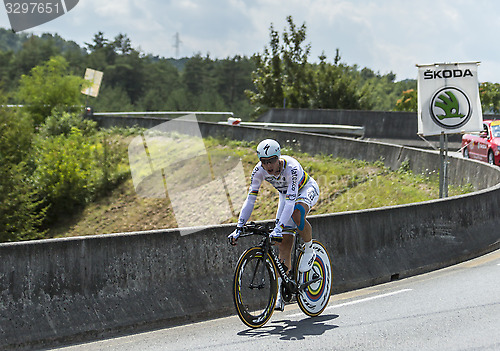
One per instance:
[(408, 102), (194, 74), (233, 77), (268, 77), (490, 97), (102, 52), (284, 78), (34, 52), (49, 86), (20, 215), (99, 42), (160, 80), (333, 87), (113, 99), (122, 44), (127, 73), (294, 57), (178, 101), (5, 69)]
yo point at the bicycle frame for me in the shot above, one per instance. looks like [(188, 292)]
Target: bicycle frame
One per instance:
[(266, 244), (258, 269)]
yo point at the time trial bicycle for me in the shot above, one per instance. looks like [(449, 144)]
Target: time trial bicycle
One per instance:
[(255, 284)]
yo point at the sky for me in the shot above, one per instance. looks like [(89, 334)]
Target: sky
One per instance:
[(383, 35)]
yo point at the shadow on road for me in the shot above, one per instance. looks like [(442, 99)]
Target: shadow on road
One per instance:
[(294, 330)]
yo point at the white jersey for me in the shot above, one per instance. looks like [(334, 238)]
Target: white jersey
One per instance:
[(290, 184)]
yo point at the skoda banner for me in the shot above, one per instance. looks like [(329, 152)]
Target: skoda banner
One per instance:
[(448, 99)]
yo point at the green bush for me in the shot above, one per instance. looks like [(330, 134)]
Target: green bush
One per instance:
[(112, 158), (49, 86), (20, 212), (74, 164), (62, 122), (21, 215), (66, 172)]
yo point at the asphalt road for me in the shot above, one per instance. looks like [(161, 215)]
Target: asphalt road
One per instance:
[(457, 308)]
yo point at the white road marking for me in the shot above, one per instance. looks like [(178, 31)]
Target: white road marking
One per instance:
[(368, 299), (360, 301)]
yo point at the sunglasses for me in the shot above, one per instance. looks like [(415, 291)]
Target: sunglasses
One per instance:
[(269, 160)]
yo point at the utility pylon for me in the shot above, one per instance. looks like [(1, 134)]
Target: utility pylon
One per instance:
[(177, 44)]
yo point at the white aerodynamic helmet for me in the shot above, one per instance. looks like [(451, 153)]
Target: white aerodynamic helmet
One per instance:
[(268, 148)]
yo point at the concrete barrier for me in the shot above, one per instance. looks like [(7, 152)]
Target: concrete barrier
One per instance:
[(378, 124), (61, 290)]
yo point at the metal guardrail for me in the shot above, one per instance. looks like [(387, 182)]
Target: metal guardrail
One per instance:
[(162, 113), (206, 116), (333, 129)]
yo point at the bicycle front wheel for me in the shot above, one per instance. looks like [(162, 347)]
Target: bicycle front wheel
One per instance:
[(313, 299), (255, 287)]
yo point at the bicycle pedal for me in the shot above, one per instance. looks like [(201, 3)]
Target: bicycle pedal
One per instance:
[(286, 295)]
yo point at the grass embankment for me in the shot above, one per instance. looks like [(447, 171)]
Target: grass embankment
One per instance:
[(344, 184)]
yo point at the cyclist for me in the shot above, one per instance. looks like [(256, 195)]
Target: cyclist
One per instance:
[(298, 192)]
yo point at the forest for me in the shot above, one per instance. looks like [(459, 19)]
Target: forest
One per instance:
[(282, 75), (53, 162), (138, 81)]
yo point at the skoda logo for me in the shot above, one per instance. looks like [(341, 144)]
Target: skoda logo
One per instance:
[(450, 108)]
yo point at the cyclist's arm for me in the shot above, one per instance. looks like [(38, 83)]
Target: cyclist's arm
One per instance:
[(281, 204), (285, 215), (290, 197), (247, 208)]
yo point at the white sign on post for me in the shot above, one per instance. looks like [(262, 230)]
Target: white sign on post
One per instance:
[(95, 78), (448, 99)]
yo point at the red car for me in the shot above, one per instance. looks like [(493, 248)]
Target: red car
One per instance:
[(484, 146)]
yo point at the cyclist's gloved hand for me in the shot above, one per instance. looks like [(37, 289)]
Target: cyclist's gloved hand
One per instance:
[(276, 235), (233, 237)]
